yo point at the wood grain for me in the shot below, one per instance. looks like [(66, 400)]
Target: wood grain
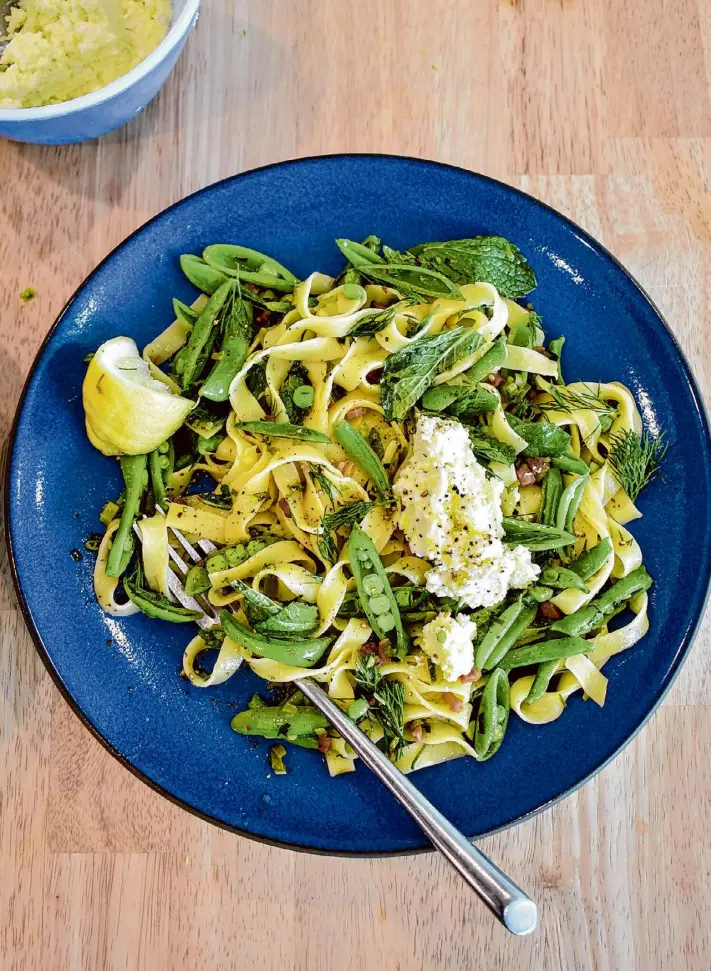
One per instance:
[(603, 110)]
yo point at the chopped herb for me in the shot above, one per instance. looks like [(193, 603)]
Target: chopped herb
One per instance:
[(28, 294)]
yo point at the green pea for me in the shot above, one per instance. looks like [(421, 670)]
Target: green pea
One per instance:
[(254, 546), (352, 291), (303, 396), (372, 585), (358, 709), (379, 605), (236, 555), (386, 622)]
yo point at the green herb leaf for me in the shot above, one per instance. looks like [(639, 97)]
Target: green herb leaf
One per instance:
[(635, 459), (372, 322), (389, 702), (487, 259), (487, 447), (409, 372), (545, 440), (274, 429)]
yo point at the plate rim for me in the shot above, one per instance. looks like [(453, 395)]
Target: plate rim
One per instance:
[(684, 646)]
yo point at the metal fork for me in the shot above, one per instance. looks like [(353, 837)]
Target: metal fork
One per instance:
[(516, 911)]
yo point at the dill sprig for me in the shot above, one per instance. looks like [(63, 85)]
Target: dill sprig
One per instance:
[(635, 459), (567, 400), (346, 515), (387, 702), (318, 476)]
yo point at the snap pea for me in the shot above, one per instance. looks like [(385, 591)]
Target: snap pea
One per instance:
[(135, 475), (357, 253), (595, 613), (237, 331), (204, 277), (408, 598), (569, 503), (160, 463), (300, 654), (536, 536), (275, 429), (503, 634), (358, 449), (197, 581), (546, 670), (462, 400), (588, 563), (230, 556), (250, 265), (494, 357), (552, 491), (569, 462), (292, 620), (287, 722), (184, 313), (365, 562), (562, 579), (258, 606), (155, 605), (493, 715), (539, 593), (192, 359), (550, 650)]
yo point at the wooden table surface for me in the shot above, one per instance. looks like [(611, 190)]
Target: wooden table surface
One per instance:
[(603, 110)]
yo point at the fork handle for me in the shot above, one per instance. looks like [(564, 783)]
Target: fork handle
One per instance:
[(516, 911)]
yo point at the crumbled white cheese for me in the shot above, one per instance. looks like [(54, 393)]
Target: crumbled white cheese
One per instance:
[(450, 513), (449, 642)]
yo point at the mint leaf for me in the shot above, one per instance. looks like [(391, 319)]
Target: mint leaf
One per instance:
[(409, 372), (544, 439), (483, 259)]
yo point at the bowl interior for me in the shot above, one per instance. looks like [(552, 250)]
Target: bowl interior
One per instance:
[(121, 676)]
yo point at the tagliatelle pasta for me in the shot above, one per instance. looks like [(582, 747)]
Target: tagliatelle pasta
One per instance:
[(408, 501)]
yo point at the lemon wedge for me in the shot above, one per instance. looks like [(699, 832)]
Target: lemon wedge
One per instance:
[(128, 412)]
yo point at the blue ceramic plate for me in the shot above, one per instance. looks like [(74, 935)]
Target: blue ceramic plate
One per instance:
[(121, 677)]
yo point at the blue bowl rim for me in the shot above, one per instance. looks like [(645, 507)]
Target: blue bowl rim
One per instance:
[(680, 655), (180, 27)]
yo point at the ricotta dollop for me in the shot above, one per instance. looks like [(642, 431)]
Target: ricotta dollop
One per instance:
[(450, 513)]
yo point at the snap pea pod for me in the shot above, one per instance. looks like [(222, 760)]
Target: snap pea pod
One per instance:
[(134, 469), (250, 265), (569, 462), (192, 359), (562, 579), (235, 555), (569, 503), (589, 562), (160, 464), (197, 581), (408, 598), (493, 358), (358, 449), (539, 593), (300, 654), (374, 590), (551, 650), (237, 331), (204, 277), (493, 715), (536, 536), (290, 724), (357, 253), (503, 634), (275, 429), (292, 620), (155, 605), (462, 400), (184, 313), (258, 606), (595, 613), (546, 670), (552, 491)]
